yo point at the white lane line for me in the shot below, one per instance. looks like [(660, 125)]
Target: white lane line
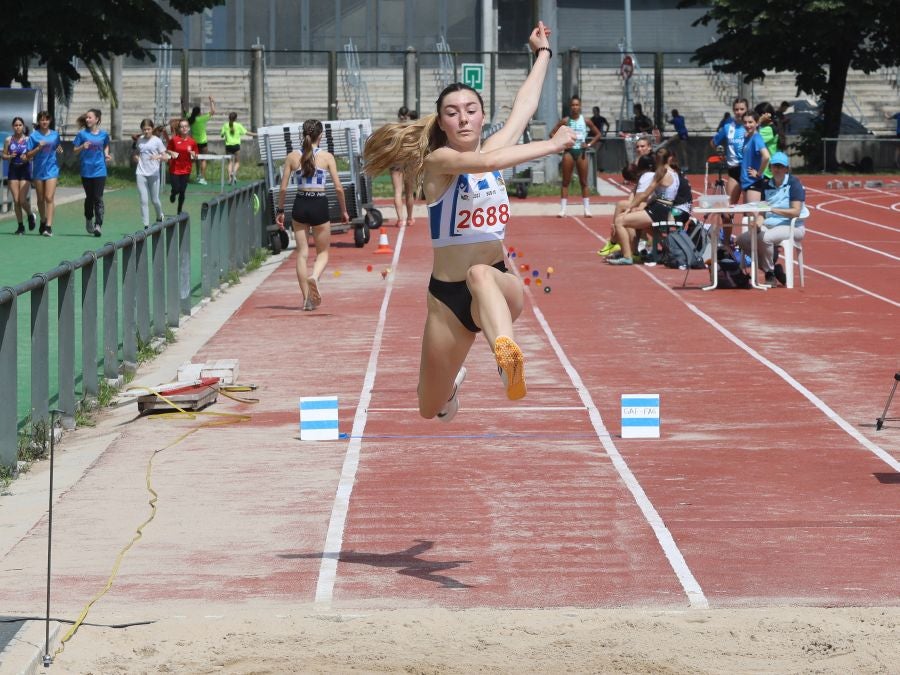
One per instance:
[(784, 375), (673, 554), (822, 207), (806, 393), (334, 539), (850, 242), (848, 198), (853, 286), (518, 408)]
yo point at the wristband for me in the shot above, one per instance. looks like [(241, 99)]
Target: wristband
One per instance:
[(543, 49), (279, 210)]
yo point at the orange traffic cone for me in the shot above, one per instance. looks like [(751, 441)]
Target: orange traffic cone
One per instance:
[(383, 245)]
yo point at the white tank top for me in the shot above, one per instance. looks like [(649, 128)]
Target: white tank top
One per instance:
[(668, 192), (470, 211)]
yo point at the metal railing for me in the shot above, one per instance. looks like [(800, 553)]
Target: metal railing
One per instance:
[(130, 290)]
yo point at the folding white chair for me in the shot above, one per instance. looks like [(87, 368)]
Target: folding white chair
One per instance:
[(790, 245)]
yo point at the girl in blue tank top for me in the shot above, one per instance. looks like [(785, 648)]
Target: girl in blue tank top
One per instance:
[(575, 157), (15, 149), (470, 288), (44, 148)]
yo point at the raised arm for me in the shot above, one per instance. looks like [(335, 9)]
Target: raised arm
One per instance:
[(529, 93), (451, 162)]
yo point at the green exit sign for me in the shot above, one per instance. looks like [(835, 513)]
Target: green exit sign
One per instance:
[(473, 75)]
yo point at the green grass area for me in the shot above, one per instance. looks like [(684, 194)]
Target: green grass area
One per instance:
[(21, 257)]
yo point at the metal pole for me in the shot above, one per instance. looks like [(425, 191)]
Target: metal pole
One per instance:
[(115, 113), (332, 86), (629, 104), (257, 94), (47, 658)]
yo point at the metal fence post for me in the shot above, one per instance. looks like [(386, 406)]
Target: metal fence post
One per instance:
[(40, 351), (184, 264), (257, 80), (143, 289), (206, 249), (658, 84), (173, 291), (110, 317), (9, 325), (159, 283), (332, 86), (129, 300), (89, 379), (65, 333)]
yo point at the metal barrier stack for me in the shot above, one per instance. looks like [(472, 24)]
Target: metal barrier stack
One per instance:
[(344, 139), (131, 290)]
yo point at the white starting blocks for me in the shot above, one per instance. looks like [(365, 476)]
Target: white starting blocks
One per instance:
[(319, 418), (226, 370), (640, 415)]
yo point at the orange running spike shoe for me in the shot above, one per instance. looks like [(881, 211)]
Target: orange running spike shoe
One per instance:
[(511, 364)]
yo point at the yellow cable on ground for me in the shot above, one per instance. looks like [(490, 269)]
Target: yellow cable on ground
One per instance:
[(224, 419)]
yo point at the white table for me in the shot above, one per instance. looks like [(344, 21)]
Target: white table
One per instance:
[(751, 209), (222, 159)]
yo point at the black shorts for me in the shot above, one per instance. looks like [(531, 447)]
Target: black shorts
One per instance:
[(232, 149), (310, 208), (735, 172), (659, 213), (456, 295), (759, 185), (20, 171), (201, 148)]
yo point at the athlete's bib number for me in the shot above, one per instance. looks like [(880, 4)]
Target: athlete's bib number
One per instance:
[(481, 217)]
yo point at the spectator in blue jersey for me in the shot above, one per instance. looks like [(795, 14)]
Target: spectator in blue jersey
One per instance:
[(679, 125), (787, 198), (574, 157), (755, 159), (91, 146), (15, 151), (43, 147)]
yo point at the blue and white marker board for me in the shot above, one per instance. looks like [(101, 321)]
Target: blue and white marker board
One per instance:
[(640, 415), (319, 418)]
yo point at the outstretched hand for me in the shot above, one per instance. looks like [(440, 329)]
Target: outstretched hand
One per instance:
[(540, 37)]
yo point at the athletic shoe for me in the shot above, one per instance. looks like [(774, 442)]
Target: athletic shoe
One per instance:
[(620, 261), (98, 232), (89, 225), (561, 214), (48, 231), (448, 412), (609, 249), (780, 275), (587, 213), (20, 229), (308, 306), (770, 278), (314, 295), (172, 197), (511, 366), (31, 222), (201, 180)]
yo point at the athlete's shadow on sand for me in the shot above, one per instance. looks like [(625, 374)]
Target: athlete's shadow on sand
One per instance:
[(407, 561)]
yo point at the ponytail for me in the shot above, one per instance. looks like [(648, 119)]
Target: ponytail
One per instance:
[(312, 129), (405, 145)]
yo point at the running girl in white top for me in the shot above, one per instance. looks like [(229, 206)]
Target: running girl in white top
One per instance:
[(470, 290)]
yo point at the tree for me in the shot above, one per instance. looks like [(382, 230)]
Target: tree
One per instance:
[(54, 32), (820, 40)]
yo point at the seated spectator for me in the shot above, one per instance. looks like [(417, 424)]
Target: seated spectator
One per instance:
[(650, 204), (642, 148), (786, 196)]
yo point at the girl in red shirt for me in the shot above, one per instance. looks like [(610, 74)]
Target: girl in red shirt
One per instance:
[(183, 150)]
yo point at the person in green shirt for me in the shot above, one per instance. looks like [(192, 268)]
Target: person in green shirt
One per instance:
[(232, 133), (198, 124), (767, 131)]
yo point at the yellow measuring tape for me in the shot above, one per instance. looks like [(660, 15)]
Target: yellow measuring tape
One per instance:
[(219, 419)]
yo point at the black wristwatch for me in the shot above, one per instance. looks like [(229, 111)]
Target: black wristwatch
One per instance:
[(279, 210)]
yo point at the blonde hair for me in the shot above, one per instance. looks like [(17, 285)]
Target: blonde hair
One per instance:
[(407, 144)]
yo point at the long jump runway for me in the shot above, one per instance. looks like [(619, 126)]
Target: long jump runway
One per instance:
[(769, 484)]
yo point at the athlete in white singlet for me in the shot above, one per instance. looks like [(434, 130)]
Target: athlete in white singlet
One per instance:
[(470, 289)]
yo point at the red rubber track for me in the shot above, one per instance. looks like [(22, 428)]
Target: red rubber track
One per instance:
[(519, 504)]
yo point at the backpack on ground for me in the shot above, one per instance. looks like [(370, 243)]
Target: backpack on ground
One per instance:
[(680, 252), (731, 275)]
